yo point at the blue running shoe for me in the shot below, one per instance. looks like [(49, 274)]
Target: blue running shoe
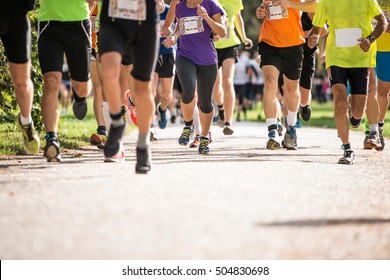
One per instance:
[(162, 117), (184, 138), (273, 142), (204, 146), (290, 138)]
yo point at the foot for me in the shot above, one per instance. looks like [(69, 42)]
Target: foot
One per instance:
[(80, 108), (348, 158), (162, 117), (184, 138), (143, 165), (118, 157), (113, 143), (195, 143), (305, 112), (30, 137), (372, 140), (204, 146), (132, 111), (227, 129), (273, 142), (52, 149)]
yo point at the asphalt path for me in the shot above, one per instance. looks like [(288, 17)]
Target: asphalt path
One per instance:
[(240, 202)]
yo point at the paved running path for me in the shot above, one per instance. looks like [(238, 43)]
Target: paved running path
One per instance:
[(240, 202)]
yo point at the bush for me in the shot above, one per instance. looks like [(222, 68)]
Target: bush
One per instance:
[(8, 105)]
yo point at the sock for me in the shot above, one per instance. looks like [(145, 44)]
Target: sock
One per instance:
[(189, 124), (76, 97), (273, 126), (101, 130), (204, 137), (346, 147), (143, 140), (271, 121), (374, 127), (380, 124), (161, 110), (50, 134), (291, 118), (25, 121), (117, 119), (228, 124)]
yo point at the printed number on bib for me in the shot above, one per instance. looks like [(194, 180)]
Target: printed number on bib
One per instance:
[(348, 37), (127, 9), (191, 25), (275, 12)]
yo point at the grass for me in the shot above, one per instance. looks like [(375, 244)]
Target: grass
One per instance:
[(73, 133)]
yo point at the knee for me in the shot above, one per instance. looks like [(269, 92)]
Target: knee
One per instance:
[(23, 85), (187, 97), (52, 83)]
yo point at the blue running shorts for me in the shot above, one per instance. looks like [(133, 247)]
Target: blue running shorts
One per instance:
[(383, 66)]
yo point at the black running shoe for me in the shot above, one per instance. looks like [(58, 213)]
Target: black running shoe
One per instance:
[(348, 158), (112, 145), (305, 112), (80, 108), (52, 150), (143, 161)]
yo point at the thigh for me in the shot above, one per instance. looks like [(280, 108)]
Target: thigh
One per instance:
[(338, 75), (269, 56), (186, 72), (308, 68), (292, 58), (358, 80)]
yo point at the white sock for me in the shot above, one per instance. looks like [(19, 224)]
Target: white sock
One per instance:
[(195, 117), (25, 121), (374, 127), (271, 121), (291, 118)]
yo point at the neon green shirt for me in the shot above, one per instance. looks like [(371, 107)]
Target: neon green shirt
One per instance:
[(383, 42), (345, 18), (63, 10), (232, 8)]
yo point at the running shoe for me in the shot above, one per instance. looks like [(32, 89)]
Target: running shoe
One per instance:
[(113, 143), (184, 138), (381, 139), (131, 107), (355, 123), (280, 128), (143, 165), (98, 140), (195, 143), (52, 149), (153, 134), (290, 138), (30, 137), (162, 117), (80, 108), (204, 145), (372, 140), (348, 158), (227, 129), (173, 119), (118, 157), (305, 112), (221, 118), (298, 123), (273, 142)]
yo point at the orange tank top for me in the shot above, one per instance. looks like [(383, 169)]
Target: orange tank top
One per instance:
[(281, 27)]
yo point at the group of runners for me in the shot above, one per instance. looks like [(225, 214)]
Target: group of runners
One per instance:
[(137, 44)]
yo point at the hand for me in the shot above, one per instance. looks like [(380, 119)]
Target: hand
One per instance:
[(215, 37), (260, 11), (282, 3), (202, 12), (365, 44), (169, 41), (166, 30), (248, 43), (313, 40)]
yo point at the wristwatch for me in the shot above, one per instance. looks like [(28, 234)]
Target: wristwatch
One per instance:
[(371, 38)]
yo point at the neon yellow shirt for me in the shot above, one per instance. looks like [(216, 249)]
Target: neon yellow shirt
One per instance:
[(383, 42), (346, 19), (63, 10), (232, 8)]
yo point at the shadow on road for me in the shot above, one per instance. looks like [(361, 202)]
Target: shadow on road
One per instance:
[(326, 222)]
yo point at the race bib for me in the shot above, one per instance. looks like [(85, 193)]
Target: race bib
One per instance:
[(127, 9), (275, 12), (191, 25), (348, 37)]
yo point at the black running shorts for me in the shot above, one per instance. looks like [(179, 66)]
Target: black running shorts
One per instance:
[(287, 60), (308, 67), (165, 67), (15, 33), (225, 53), (357, 78), (73, 38)]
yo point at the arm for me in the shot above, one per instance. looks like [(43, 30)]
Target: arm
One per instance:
[(161, 6), (170, 18), (313, 38), (215, 22), (241, 31), (308, 6), (260, 11), (365, 43)]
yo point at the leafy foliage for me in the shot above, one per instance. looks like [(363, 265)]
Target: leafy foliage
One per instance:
[(8, 105)]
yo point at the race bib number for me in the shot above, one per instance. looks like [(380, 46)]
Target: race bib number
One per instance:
[(191, 25), (275, 12), (348, 37), (127, 9)]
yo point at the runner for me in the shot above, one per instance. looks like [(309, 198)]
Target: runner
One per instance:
[(349, 50), (134, 23), (15, 34), (224, 94), (64, 27), (196, 62)]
